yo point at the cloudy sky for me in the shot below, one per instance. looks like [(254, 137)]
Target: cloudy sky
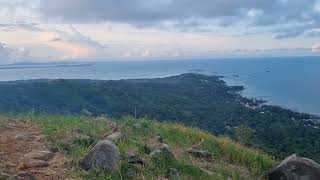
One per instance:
[(102, 30)]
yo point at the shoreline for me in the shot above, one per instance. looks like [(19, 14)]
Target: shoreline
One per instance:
[(230, 82)]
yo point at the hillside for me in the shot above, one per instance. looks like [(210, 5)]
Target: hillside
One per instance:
[(73, 136), (191, 99)]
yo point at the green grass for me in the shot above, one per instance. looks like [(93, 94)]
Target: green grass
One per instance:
[(75, 135)]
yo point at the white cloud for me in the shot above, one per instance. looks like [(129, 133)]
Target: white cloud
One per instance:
[(316, 48), (10, 55), (73, 45)]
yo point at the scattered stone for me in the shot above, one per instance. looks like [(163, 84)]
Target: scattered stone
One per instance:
[(296, 168), (32, 163), (174, 174), (206, 155), (23, 176), (24, 137), (40, 155), (115, 137), (135, 159), (104, 155), (163, 146)]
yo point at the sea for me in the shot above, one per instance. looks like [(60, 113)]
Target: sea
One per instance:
[(289, 82)]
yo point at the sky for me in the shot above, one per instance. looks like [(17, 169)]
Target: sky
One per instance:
[(104, 30)]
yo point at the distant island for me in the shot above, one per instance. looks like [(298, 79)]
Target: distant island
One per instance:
[(36, 66), (191, 99)]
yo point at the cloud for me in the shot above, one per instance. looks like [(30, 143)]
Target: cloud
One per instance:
[(144, 13), (4, 53), (73, 45), (11, 55), (20, 26), (316, 48)]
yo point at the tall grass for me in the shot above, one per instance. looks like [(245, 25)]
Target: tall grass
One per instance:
[(65, 133)]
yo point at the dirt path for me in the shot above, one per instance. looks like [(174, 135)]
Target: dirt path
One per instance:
[(16, 140)]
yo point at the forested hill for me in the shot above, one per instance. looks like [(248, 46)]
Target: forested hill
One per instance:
[(193, 99)]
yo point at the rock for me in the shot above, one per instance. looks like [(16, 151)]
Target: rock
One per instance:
[(159, 139), (135, 159), (23, 176), (163, 146), (4, 176), (104, 155), (163, 155), (296, 168), (115, 137), (174, 174), (24, 137), (31, 163), (40, 155), (206, 155)]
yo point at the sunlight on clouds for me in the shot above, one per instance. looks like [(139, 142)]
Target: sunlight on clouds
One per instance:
[(72, 46)]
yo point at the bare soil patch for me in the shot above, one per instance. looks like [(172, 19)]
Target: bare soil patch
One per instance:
[(16, 140)]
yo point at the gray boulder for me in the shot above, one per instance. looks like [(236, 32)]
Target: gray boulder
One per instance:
[(104, 155), (296, 168)]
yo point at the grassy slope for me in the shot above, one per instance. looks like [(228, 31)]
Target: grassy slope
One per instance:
[(230, 159)]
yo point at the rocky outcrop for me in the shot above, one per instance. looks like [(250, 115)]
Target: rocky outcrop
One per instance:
[(104, 155), (296, 168)]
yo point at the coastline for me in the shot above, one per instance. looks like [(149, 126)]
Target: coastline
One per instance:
[(252, 92)]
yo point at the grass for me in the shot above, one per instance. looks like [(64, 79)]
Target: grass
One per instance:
[(75, 136)]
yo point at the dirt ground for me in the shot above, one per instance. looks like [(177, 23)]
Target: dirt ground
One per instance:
[(18, 139)]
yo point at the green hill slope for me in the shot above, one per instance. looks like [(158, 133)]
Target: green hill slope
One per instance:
[(75, 136)]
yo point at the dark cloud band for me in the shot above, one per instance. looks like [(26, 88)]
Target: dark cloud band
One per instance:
[(155, 12)]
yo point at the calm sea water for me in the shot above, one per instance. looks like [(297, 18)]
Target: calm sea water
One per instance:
[(293, 83)]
